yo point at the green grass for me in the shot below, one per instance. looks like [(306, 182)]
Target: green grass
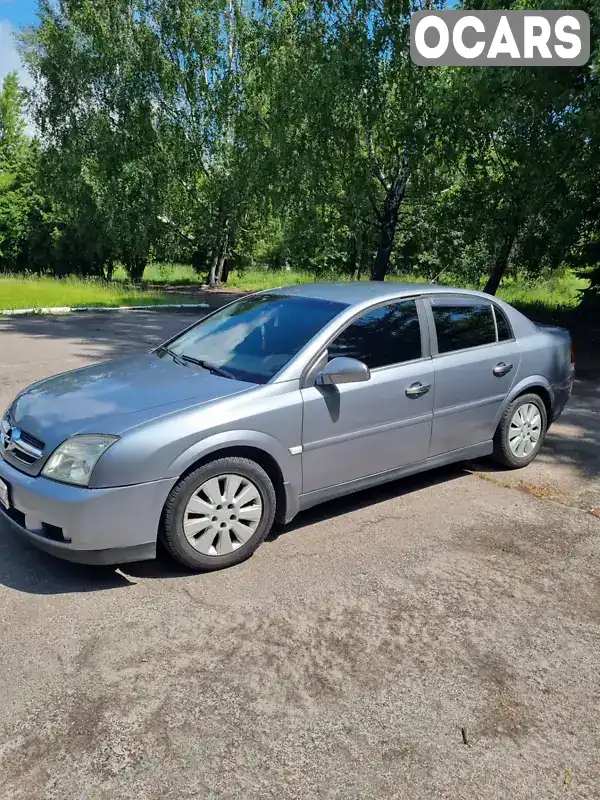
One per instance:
[(554, 293), (33, 292), (164, 275), (255, 280), (544, 298)]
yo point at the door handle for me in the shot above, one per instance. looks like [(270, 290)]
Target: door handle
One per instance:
[(502, 369), (417, 389)]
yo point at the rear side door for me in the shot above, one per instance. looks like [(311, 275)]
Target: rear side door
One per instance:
[(476, 360), (355, 430)]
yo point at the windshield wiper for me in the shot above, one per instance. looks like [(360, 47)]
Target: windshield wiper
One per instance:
[(175, 356), (208, 366)]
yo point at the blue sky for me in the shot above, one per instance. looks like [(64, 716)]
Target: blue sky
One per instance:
[(13, 14), (18, 12)]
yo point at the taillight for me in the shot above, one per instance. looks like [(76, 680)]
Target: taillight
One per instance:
[(572, 354)]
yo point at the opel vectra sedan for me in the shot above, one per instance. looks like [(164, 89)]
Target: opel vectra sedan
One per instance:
[(276, 402)]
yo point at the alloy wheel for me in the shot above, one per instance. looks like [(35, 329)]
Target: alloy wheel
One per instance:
[(525, 430), (222, 515)]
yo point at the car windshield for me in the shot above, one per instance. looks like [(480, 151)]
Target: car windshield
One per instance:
[(254, 338)]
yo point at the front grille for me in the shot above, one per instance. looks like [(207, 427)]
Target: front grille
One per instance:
[(21, 455), (19, 444), (31, 440)]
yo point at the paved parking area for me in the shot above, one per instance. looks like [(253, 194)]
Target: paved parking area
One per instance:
[(437, 637)]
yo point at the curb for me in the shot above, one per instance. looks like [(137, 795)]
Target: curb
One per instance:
[(20, 312)]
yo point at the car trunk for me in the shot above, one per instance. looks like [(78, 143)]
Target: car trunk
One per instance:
[(564, 343)]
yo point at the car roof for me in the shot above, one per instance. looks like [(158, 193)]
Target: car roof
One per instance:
[(359, 292)]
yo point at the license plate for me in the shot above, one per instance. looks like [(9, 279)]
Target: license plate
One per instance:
[(4, 501)]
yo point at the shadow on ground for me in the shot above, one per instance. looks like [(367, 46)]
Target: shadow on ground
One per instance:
[(104, 335), (573, 441), (29, 570)]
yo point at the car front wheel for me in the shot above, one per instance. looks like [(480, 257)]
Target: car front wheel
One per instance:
[(219, 514), (521, 431)]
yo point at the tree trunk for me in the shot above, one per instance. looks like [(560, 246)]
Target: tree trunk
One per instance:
[(226, 269), (219, 258), (501, 262), (359, 256), (363, 259), (135, 264), (388, 224), (224, 251), (362, 254), (352, 261), (109, 268), (221, 263), (212, 273)]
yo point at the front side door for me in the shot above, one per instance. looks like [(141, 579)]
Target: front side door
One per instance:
[(355, 430), (476, 361)]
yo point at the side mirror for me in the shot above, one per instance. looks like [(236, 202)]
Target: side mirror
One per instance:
[(343, 370)]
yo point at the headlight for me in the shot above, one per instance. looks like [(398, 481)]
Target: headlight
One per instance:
[(74, 460)]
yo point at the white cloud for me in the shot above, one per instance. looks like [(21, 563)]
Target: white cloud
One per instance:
[(10, 60)]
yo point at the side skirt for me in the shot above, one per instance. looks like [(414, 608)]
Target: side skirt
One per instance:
[(464, 454)]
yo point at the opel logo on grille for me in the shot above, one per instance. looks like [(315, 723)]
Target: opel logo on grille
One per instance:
[(10, 438)]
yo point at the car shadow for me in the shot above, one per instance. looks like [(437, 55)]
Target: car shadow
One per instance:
[(28, 570), (368, 498)]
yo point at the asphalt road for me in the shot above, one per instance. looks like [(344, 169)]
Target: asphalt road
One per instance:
[(435, 638)]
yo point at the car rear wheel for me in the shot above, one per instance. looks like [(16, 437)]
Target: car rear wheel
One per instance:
[(521, 432), (219, 514)]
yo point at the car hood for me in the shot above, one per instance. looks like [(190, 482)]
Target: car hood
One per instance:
[(114, 395)]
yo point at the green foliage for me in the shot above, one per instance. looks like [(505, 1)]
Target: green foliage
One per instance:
[(236, 134), (12, 125), (17, 174)]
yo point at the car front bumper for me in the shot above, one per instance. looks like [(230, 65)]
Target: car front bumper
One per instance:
[(89, 526)]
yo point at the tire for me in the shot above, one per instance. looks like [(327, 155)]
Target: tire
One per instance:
[(520, 414), (223, 533)]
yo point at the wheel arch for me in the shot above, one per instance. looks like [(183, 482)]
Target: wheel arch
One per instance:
[(545, 396), (535, 384), (284, 470)]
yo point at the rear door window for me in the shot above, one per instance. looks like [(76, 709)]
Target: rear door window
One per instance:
[(460, 325)]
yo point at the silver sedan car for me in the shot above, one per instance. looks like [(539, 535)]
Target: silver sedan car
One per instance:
[(276, 402)]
